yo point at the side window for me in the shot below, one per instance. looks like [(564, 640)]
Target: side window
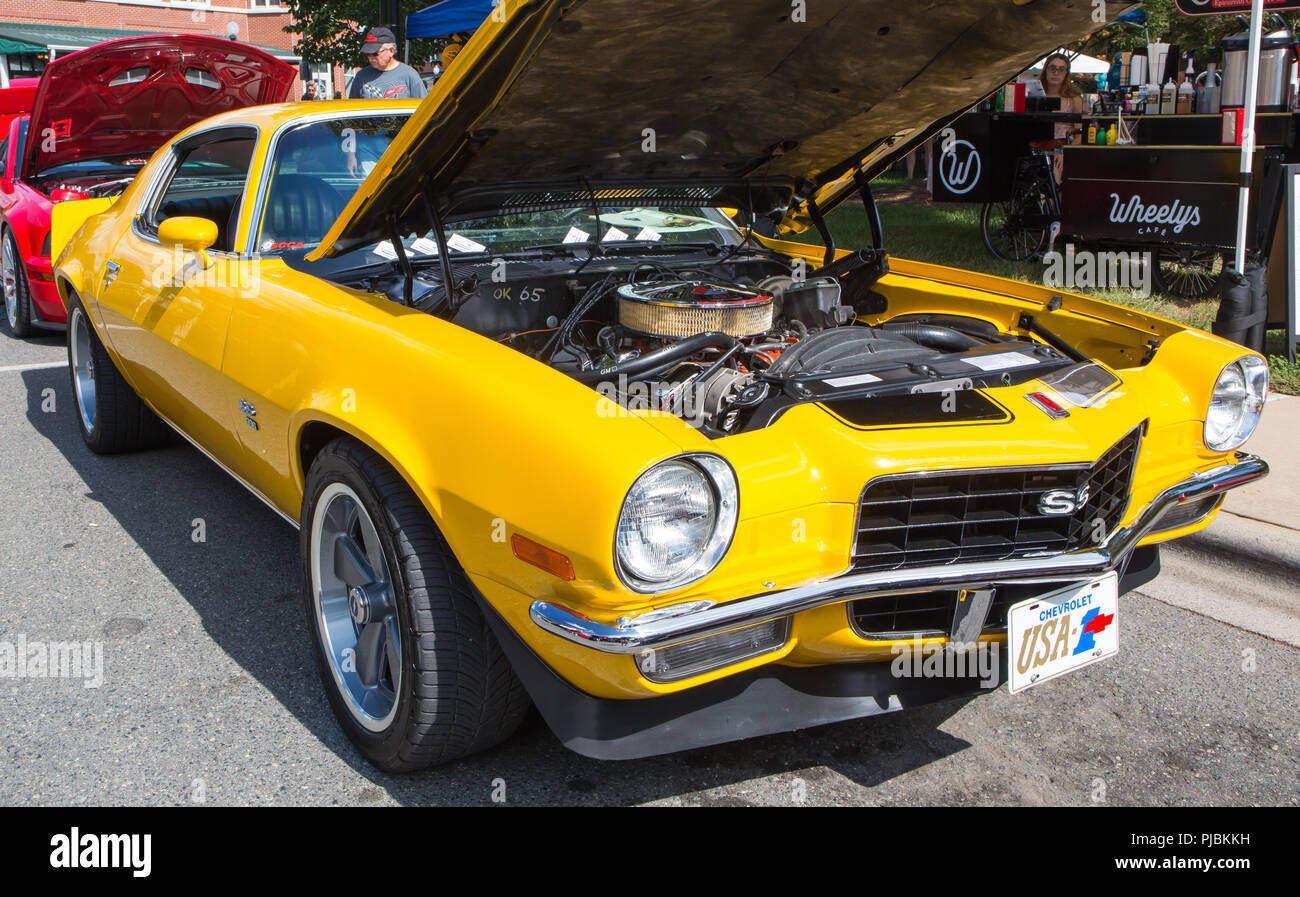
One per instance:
[(316, 170), (207, 182), (4, 154), (19, 146)]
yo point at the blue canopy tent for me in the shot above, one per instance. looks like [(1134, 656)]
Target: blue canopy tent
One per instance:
[(448, 17)]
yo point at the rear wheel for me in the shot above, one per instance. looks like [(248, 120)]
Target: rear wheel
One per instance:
[(112, 417), (17, 296), (413, 672)]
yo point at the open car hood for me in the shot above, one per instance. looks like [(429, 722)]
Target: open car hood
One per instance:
[(128, 97), (583, 96)]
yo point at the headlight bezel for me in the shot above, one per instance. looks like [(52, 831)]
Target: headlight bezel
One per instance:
[(1253, 373), (725, 495)]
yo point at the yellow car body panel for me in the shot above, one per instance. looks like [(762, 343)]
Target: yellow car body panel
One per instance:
[(67, 217)]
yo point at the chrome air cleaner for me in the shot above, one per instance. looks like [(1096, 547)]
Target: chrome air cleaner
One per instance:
[(678, 309)]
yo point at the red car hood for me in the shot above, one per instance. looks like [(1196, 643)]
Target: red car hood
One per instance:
[(128, 97)]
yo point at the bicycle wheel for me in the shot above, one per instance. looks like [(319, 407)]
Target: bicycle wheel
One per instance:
[(1186, 273), (1006, 233)]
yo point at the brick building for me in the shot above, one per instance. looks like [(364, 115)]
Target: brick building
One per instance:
[(32, 32)]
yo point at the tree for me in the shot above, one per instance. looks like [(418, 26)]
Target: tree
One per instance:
[(1200, 34), (331, 30)]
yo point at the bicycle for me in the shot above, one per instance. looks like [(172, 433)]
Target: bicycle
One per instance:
[(1016, 230)]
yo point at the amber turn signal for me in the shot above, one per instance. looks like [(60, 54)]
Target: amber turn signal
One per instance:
[(552, 562)]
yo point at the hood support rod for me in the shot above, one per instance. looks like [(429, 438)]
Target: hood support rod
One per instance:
[(820, 223), (444, 255), (408, 273), (873, 213)]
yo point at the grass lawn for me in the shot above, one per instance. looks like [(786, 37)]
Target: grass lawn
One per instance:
[(950, 235)]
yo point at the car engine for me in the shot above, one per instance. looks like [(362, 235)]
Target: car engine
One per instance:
[(731, 344)]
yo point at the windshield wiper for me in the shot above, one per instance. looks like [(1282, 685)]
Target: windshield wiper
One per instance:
[(704, 246), (605, 248)]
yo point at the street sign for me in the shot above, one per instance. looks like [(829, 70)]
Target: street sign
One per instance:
[(1225, 7)]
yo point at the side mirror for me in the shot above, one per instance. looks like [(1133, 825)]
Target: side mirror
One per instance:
[(194, 234)]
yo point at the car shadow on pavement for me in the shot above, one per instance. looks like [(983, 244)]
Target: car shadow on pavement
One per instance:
[(38, 337), (244, 578)]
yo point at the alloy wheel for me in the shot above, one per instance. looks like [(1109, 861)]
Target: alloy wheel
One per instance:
[(83, 367), (355, 607), (9, 278)]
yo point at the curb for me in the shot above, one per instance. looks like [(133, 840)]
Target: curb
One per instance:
[(1249, 543)]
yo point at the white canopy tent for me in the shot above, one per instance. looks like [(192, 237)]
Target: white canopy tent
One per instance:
[(1079, 64)]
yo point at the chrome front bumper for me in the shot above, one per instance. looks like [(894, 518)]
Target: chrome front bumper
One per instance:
[(697, 619)]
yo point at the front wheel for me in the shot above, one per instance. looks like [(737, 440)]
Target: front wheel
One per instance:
[(412, 670)]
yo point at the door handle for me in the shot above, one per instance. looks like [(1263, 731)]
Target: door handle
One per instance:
[(110, 272)]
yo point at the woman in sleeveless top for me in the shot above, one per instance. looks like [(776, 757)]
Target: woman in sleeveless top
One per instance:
[(1056, 82)]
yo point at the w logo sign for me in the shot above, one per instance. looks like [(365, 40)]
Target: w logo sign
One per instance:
[(959, 167)]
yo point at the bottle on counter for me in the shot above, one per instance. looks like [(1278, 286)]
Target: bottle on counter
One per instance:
[(1092, 132), (1151, 98), (1112, 135), (1186, 95), (1168, 98), (1209, 91)]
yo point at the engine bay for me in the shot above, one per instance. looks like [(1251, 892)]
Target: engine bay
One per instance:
[(731, 341)]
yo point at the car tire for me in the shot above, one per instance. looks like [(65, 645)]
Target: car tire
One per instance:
[(430, 684), (112, 418), (17, 297)]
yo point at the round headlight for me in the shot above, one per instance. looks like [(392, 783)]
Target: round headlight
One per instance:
[(676, 524), (1235, 403)]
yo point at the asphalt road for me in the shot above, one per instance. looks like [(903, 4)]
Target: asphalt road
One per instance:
[(209, 694)]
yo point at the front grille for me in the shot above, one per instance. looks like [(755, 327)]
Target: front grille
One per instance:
[(947, 517), (930, 613)]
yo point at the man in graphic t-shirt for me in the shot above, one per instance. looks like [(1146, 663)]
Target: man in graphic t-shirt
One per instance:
[(386, 78)]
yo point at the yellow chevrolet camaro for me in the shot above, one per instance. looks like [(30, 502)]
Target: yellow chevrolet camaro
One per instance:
[(564, 416)]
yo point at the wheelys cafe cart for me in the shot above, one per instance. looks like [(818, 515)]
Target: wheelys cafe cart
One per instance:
[(1174, 195)]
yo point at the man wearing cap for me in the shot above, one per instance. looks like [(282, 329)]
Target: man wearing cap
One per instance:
[(385, 78)]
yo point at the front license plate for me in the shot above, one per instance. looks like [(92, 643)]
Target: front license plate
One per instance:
[(1062, 631)]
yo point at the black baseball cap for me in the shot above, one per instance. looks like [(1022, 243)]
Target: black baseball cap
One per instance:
[(377, 37)]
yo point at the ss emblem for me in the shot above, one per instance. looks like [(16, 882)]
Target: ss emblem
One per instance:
[(1059, 502)]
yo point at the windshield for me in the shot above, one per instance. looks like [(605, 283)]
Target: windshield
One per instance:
[(317, 168), (557, 230), (511, 233)]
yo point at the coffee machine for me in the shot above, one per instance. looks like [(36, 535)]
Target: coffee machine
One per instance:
[(1275, 58)]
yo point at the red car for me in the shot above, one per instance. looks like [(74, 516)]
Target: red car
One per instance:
[(96, 118)]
